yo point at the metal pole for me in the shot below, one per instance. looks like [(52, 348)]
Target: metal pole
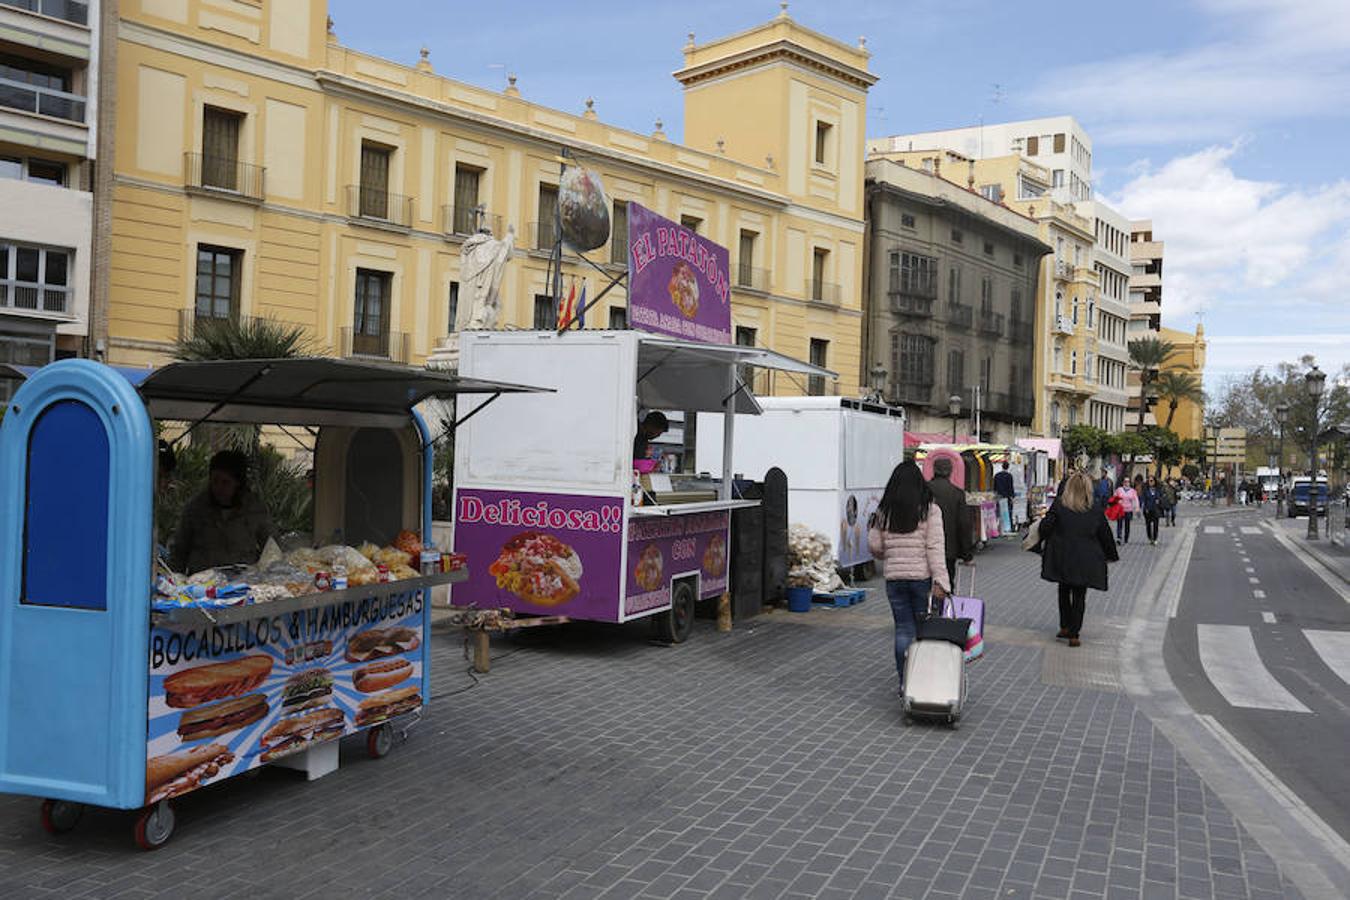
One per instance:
[(1279, 483), (1313, 492)]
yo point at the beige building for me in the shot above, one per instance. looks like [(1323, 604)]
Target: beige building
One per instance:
[(49, 91), (1145, 299), (263, 169)]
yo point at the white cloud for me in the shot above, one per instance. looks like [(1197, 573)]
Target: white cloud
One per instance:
[(1276, 60), (1235, 355), (1238, 244)]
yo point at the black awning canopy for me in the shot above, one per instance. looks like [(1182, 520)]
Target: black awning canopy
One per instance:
[(306, 391)]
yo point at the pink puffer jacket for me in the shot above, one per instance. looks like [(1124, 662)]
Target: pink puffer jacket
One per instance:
[(915, 556)]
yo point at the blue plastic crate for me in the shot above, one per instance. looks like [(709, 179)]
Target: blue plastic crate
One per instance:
[(840, 598)]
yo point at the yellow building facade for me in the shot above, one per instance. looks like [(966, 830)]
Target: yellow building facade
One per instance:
[(263, 169), (1188, 355)]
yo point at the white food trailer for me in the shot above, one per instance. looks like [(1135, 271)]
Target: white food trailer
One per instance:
[(837, 454), (549, 509)]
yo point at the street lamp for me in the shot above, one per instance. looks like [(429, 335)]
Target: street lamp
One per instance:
[(877, 379), (1281, 416), (1315, 381), (954, 410)]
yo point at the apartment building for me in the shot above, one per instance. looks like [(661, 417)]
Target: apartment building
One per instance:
[(1146, 262), (949, 300), (49, 62), (1188, 355), (263, 169), (1107, 360), (1058, 144)]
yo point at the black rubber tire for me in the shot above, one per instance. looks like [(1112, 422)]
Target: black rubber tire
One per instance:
[(675, 626), (60, 816)]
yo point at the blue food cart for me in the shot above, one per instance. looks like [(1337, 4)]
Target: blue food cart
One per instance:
[(107, 701)]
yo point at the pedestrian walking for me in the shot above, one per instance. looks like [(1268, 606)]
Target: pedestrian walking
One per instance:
[(949, 498), (1077, 546), (907, 537), (1102, 491), (1006, 492), (1150, 504), (1169, 502), (1128, 498)]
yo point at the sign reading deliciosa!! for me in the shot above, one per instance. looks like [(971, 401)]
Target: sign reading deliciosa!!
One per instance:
[(679, 283)]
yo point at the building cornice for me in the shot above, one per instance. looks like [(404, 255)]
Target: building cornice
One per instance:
[(335, 83), (942, 203), (782, 50)]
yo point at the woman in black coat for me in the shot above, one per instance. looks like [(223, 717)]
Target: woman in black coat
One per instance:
[(1077, 545)]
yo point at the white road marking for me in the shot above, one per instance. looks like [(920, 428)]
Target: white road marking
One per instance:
[(1268, 618), (1258, 593), (1213, 529), (1334, 648), (1228, 654), (1250, 570), (1250, 529), (1253, 579)]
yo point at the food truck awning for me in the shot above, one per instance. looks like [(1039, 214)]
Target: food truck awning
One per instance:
[(304, 391), (675, 374)]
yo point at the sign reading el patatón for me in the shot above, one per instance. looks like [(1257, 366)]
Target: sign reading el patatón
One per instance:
[(679, 284)]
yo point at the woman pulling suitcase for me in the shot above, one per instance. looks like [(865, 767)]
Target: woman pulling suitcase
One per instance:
[(907, 536)]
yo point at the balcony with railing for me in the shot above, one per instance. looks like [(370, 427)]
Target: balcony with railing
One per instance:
[(73, 11), (460, 221), (822, 292), (391, 345), (960, 315), (913, 391), (370, 205), (750, 278), (545, 235), (991, 323), (220, 176), (191, 322), (34, 298), (1023, 407), (1021, 331), (1063, 269), (41, 101), (911, 305)]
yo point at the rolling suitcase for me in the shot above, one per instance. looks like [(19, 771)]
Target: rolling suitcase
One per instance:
[(935, 671)]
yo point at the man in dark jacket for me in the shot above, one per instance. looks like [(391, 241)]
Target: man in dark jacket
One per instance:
[(1102, 491), (1006, 492), (952, 501)]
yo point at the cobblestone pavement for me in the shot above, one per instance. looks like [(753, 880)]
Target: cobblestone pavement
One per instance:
[(770, 762)]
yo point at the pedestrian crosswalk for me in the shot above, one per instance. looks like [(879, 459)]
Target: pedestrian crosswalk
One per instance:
[(1232, 664), (1235, 667)]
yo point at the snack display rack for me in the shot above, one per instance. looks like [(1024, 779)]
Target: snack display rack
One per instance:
[(106, 702)]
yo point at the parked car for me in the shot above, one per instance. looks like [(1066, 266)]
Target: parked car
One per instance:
[(1299, 494)]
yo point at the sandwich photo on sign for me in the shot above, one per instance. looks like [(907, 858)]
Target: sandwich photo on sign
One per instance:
[(221, 718)]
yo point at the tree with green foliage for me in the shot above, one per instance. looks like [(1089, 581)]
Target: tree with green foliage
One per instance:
[(1176, 387), (1148, 355), (1083, 441), (244, 338)]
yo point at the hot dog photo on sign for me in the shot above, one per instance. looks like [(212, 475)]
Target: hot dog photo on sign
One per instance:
[(228, 698)]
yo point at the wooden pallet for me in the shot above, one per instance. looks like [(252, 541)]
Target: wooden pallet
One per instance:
[(842, 598)]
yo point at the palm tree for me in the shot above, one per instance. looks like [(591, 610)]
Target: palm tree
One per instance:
[(1148, 355), (1176, 386), (247, 338)]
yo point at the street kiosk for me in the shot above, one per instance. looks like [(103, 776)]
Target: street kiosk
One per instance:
[(545, 488), (114, 695), (837, 452)]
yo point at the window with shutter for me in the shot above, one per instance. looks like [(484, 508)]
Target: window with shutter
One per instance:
[(375, 180), (220, 148)]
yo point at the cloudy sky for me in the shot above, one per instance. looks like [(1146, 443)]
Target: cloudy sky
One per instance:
[(1225, 121)]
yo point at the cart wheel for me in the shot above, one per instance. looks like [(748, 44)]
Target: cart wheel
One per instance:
[(955, 724), (379, 741), (674, 627), (154, 826), (60, 816)]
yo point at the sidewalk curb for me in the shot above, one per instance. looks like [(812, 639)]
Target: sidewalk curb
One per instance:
[(1309, 852), (1309, 548)]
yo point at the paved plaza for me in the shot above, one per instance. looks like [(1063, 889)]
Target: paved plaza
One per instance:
[(769, 762)]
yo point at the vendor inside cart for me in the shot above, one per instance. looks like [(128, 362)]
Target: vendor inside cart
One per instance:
[(649, 429), (225, 524)]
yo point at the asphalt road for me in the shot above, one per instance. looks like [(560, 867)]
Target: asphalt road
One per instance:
[(1262, 645)]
